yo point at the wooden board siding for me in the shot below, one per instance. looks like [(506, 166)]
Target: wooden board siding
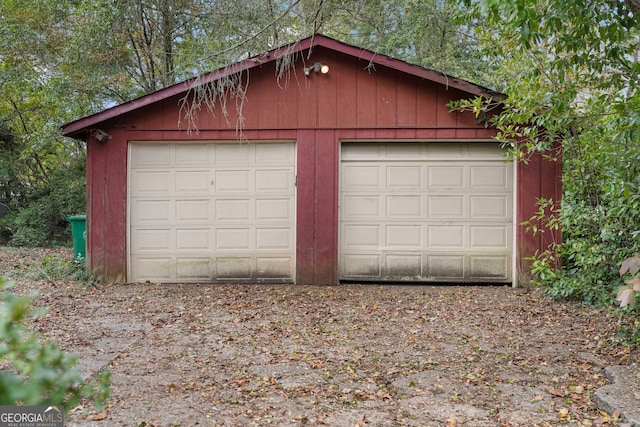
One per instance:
[(349, 97), (538, 178), (106, 208)]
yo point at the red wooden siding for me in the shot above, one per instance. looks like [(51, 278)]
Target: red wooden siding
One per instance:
[(350, 96), (352, 102), (539, 178), (106, 208)]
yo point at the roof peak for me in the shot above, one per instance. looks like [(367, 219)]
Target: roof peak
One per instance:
[(80, 126)]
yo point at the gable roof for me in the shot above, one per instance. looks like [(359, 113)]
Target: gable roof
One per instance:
[(78, 126)]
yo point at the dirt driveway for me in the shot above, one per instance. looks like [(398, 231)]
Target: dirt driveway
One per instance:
[(348, 355)]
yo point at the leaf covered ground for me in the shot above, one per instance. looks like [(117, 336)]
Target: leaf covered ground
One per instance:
[(346, 355)]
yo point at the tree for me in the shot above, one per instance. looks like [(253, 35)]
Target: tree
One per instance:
[(433, 34), (65, 59), (573, 74)]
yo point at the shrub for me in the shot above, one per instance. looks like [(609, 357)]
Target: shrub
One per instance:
[(596, 239)]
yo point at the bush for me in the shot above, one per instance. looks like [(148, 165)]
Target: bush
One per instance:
[(38, 218), (596, 240), (38, 372)]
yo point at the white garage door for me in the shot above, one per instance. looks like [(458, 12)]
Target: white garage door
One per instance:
[(425, 212), (211, 212)]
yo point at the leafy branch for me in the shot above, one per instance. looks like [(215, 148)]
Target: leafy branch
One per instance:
[(37, 372)]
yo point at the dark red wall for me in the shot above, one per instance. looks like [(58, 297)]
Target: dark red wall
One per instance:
[(352, 102), (539, 177)]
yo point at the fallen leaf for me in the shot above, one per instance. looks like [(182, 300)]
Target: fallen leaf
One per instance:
[(98, 417), (555, 392)]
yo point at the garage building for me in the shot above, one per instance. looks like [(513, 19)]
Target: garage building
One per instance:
[(356, 171)]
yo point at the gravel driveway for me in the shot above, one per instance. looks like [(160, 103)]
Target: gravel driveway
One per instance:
[(347, 355)]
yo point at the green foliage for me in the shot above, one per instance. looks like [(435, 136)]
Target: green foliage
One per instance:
[(55, 267), (572, 82), (631, 332), (61, 60), (39, 214), (434, 34), (595, 240), (37, 371), (600, 219)]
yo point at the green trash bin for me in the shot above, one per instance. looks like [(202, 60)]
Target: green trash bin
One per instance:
[(79, 234)]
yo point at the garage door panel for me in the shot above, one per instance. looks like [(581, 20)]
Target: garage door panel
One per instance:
[(404, 176), (484, 151), (151, 156), (446, 207), (229, 154), (447, 151), (362, 266), (445, 267), (233, 181), (234, 268), (192, 182), (488, 267), (237, 210), (491, 207), (404, 150), (152, 183), (154, 269), (364, 151), (193, 239), (147, 240), (404, 236), (483, 236), (193, 268), (273, 153), (483, 177), (446, 236), (146, 212), (273, 268), (274, 180), (362, 177), (362, 235), (233, 238), (404, 206), (446, 177), (362, 206), (212, 212), (425, 211), (274, 210), (191, 155), (192, 211), (403, 266), (274, 238)]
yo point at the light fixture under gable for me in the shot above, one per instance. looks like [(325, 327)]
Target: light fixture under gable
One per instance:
[(318, 67)]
